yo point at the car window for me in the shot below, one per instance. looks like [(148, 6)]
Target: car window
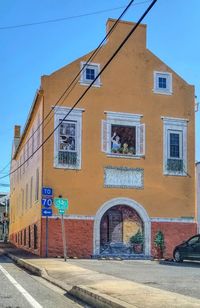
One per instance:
[(193, 240)]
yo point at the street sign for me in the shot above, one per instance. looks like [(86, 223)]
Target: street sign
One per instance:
[(47, 202), (61, 211), (47, 191), (46, 212), (61, 204)]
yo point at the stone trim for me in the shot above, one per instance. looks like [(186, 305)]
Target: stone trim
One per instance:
[(174, 220), (75, 217)]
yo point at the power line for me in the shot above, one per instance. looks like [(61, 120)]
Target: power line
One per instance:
[(65, 18), (74, 81), (75, 78), (98, 75)]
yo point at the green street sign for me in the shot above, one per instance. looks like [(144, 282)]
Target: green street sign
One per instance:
[(61, 211), (61, 204)]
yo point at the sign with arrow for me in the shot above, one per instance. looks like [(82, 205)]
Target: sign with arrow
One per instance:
[(46, 212)]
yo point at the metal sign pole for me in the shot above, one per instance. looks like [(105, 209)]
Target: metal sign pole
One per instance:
[(47, 233), (63, 237)]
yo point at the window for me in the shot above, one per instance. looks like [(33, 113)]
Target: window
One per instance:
[(22, 199), (123, 135), (38, 131), (89, 73), (29, 236), (37, 185), (31, 192), (33, 142), (24, 237), (162, 83), (27, 152), (35, 236), (67, 139), (26, 205), (175, 146)]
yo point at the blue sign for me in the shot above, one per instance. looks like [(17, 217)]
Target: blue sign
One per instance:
[(46, 212), (47, 202), (47, 191)]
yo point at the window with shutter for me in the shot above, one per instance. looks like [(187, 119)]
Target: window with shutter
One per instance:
[(123, 135), (67, 138)]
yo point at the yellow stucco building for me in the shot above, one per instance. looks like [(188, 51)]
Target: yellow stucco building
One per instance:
[(123, 157)]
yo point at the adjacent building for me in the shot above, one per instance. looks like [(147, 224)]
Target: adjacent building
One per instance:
[(4, 216), (124, 157), (198, 193)]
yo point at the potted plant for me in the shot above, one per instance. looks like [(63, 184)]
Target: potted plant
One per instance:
[(159, 243), (137, 241)]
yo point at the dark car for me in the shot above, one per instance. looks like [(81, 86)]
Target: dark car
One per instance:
[(188, 250)]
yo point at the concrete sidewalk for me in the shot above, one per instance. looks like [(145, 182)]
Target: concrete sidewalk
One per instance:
[(97, 289)]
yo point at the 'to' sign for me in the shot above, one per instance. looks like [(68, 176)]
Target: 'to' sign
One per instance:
[(47, 191)]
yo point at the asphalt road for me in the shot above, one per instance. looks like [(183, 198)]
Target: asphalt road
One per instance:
[(19, 289), (181, 278)]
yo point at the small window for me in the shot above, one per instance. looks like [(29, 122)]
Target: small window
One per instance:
[(89, 73), (162, 83), (31, 191), (35, 229), (37, 184), (24, 237), (29, 236)]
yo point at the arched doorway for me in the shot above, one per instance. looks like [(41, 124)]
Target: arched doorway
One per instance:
[(121, 231), (116, 222)]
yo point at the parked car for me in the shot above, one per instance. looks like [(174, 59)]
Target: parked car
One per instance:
[(188, 250)]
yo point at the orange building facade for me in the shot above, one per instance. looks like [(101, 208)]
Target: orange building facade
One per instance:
[(124, 157)]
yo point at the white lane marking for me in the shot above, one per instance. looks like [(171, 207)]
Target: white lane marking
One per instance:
[(28, 297)]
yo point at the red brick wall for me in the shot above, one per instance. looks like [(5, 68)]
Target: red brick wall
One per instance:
[(18, 238), (174, 234), (79, 237)]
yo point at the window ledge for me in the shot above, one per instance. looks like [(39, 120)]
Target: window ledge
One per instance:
[(97, 85), (175, 174), (162, 92), (67, 167), (124, 156)]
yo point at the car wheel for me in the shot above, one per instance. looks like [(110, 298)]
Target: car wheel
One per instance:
[(177, 256)]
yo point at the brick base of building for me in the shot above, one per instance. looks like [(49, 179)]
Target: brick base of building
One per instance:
[(79, 237), (28, 238), (174, 234)]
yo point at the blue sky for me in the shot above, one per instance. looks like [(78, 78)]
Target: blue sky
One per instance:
[(27, 53)]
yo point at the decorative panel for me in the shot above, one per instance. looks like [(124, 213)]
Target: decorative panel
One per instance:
[(123, 177)]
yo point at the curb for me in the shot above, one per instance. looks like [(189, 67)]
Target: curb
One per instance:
[(32, 268), (85, 294), (96, 299)]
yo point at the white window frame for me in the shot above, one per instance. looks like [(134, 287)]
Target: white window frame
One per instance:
[(180, 133), (84, 80), (75, 116), (168, 89), (125, 119), (175, 125)]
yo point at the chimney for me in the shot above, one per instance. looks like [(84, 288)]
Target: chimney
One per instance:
[(138, 39), (17, 129)]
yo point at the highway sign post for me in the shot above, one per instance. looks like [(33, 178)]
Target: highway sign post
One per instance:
[(47, 202), (62, 205)]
